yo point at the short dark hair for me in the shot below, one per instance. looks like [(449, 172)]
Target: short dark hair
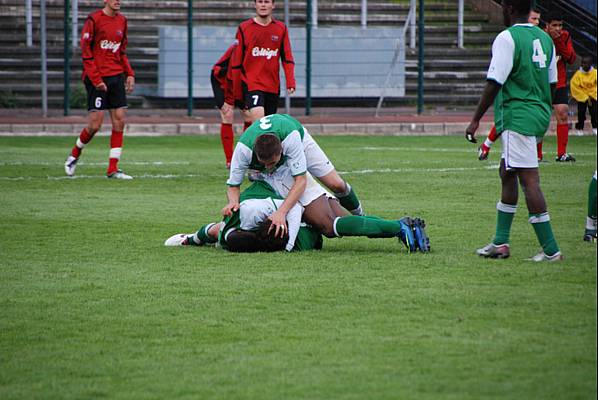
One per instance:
[(267, 146), (536, 10), (520, 7), (268, 242), (240, 241), (553, 16)]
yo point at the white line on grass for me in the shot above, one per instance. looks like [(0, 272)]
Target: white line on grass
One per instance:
[(61, 178), (440, 150), (184, 176), (399, 170), (19, 163)]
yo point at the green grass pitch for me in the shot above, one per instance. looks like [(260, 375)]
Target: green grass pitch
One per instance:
[(94, 306)]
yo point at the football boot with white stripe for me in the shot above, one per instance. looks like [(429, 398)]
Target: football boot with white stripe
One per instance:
[(69, 165), (494, 251), (181, 239), (541, 256), (119, 175)]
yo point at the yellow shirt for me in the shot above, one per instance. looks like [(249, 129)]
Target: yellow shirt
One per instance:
[(583, 85)]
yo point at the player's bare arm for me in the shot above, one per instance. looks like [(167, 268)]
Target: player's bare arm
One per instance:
[(233, 193), (490, 91), (278, 218), (130, 84)]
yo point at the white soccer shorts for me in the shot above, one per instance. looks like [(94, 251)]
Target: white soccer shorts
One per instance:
[(317, 163), (282, 181), (519, 151)]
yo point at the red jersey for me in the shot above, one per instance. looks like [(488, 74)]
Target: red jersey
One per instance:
[(565, 55), (256, 60), (103, 46), (223, 73)]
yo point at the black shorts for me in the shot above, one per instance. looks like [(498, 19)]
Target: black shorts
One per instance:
[(114, 97), (257, 98), (218, 92), (561, 96)]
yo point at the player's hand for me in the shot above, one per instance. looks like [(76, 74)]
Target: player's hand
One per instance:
[(279, 224), (227, 107), (130, 84), (470, 131), (291, 90), (102, 87), (228, 210)]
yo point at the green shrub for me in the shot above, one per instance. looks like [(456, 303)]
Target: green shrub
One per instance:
[(8, 99), (78, 96)]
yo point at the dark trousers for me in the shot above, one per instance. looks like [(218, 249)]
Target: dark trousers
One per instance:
[(581, 113)]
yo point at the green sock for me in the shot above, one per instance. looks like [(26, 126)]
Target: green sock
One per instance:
[(349, 201), (592, 199), (370, 226), (202, 235), (504, 220), (543, 229)]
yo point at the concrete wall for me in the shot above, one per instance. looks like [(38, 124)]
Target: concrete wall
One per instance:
[(346, 62), (487, 7)]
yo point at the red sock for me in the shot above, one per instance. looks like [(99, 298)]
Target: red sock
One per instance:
[(116, 147), (492, 136), (562, 138), (539, 150), (227, 137), (246, 125), (84, 138)]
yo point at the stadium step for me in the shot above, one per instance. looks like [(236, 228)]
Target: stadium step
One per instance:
[(449, 69)]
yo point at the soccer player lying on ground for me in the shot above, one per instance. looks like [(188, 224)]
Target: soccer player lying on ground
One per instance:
[(248, 228), (521, 80)]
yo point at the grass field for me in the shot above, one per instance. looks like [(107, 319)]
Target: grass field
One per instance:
[(94, 306)]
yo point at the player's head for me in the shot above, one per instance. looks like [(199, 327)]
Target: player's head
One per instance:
[(268, 150), (267, 240), (587, 60), (554, 23), (113, 5), (264, 8), (534, 16), (513, 10)]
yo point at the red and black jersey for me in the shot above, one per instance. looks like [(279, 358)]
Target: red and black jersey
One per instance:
[(566, 55), (223, 73), (256, 60), (103, 47)]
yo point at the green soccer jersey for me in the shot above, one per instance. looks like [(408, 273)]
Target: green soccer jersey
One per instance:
[(287, 129), (307, 237), (524, 63)]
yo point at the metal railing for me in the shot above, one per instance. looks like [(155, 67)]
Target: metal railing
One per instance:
[(399, 57)]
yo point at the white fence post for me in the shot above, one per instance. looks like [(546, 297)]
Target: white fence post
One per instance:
[(29, 22), (364, 14), (314, 13), (44, 68), (74, 22), (287, 22), (412, 6), (460, 24)]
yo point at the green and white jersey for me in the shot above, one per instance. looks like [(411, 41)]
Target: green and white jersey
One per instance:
[(289, 131), (524, 63), (258, 202)]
